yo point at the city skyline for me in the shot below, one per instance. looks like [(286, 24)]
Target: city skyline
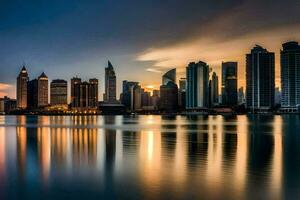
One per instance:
[(78, 38)]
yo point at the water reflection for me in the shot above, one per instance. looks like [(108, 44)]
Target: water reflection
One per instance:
[(174, 157)]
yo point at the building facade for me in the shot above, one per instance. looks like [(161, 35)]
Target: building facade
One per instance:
[(197, 93), (110, 84), (58, 92), (169, 76), (229, 83), (290, 76), (37, 90), (85, 94), (22, 80), (214, 90), (75, 99), (260, 79)]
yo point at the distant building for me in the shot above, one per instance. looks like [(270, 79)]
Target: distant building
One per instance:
[(146, 101), (229, 83), (7, 105), (169, 92), (127, 96), (182, 93), (241, 96), (168, 97), (38, 92), (260, 79), (169, 76), (22, 88), (136, 100), (75, 97), (85, 94), (290, 75), (214, 89), (277, 96), (58, 92), (197, 93), (155, 99), (110, 84)]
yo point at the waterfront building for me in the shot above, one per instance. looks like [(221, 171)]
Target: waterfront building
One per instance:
[(197, 92), (7, 105), (37, 90), (58, 92), (22, 80), (168, 97), (169, 76), (290, 76), (110, 84), (229, 83), (75, 92), (260, 79), (241, 96), (127, 93), (214, 90)]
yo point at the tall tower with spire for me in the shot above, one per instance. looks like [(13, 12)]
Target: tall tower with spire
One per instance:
[(22, 88), (110, 84)]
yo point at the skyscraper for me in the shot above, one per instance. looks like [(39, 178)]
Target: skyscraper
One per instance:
[(110, 84), (197, 92), (182, 93), (93, 93), (229, 83), (59, 92), (127, 93), (169, 76), (22, 88), (290, 75), (75, 97), (169, 91), (214, 89), (260, 79), (85, 94), (37, 92)]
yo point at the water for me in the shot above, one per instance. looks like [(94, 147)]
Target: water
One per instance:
[(150, 157)]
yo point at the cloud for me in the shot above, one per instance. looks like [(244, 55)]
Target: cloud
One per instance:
[(5, 89)]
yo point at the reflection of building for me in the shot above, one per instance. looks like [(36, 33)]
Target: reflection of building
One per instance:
[(229, 83), (260, 79), (37, 90), (59, 92), (110, 84), (22, 88), (197, 85), (290, 75)]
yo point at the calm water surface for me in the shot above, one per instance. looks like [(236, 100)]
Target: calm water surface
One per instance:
[(150, 157)]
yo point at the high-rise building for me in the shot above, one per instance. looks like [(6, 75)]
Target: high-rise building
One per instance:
[(169, 91), (127, 93), (75, 97), (59, 92), (229, 83), (168, 97), (197, 93), (136, 98), (214, 89), (37, 90), (260, 79), (155, 99), (169, 76), (182, 93), (86, 94), (43, 90), (241, 96), (7, 105), (290, 75), (93, 93), (110, 84), (22, 88)]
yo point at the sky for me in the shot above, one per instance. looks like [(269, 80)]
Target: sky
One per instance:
[(142, 38)]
